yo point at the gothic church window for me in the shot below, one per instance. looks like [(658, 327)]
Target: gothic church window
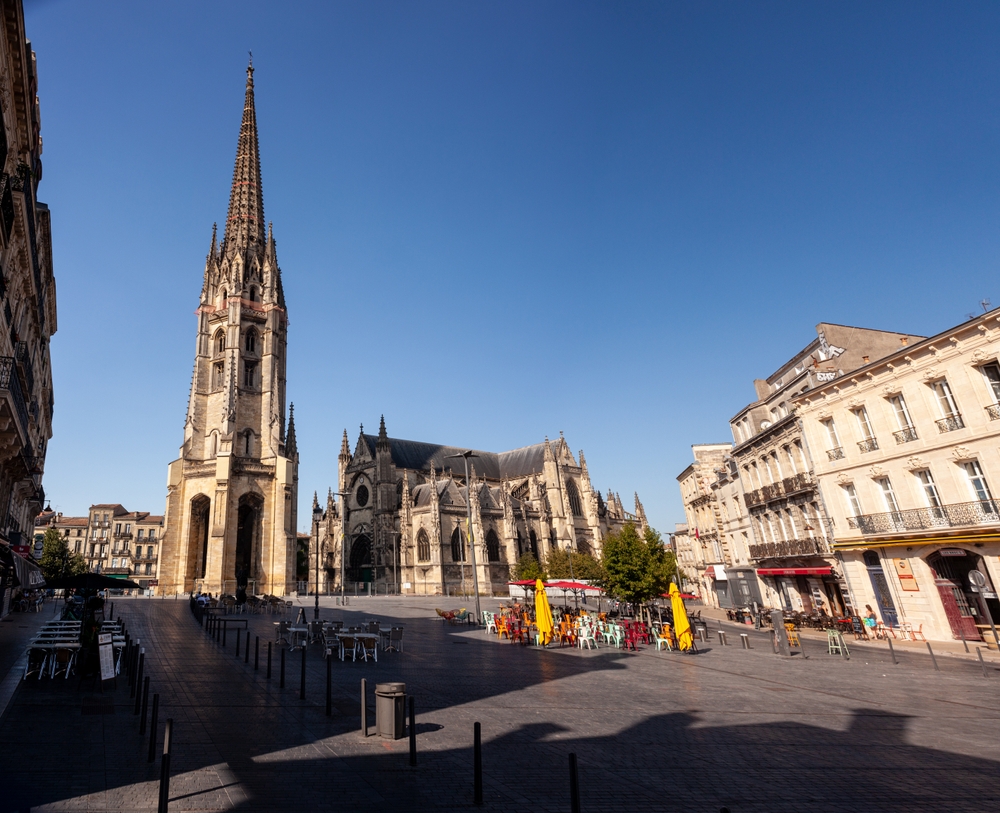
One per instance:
[(249, 374), (220, 342), (253, 293), (250, 343), (249, 443), (492, 546), (457, 546), (361, 496), (218, 373), (574, 499), (423, 546)]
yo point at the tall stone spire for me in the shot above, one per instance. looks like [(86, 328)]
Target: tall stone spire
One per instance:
[(245, 222), (291, 445)]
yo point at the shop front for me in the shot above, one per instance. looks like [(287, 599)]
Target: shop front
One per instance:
[(720, 586), (807, 589), (744, 587)]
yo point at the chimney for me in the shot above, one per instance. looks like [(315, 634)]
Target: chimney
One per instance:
[(864, 359), (903, 340)]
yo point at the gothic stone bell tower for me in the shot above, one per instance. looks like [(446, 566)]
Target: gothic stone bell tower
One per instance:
[(231, 496)]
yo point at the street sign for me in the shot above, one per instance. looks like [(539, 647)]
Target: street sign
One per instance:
[(977, 578)]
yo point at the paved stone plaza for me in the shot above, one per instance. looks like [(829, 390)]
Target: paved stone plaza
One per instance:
[(746, 730)]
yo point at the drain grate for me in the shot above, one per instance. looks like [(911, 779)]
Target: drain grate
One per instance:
[(98, 705)]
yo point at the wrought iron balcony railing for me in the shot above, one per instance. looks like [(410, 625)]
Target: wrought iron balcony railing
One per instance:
[(993, 410), (772, 491), (951, 423), (905, 435), (980, 512), (10, 383), (788, 548), (836, 453), (868, 445), (797, 482)]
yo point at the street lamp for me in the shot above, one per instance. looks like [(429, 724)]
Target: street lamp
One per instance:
[(468, 504), (317, 518)]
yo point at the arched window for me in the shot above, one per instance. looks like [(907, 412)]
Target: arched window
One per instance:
[(457, 546), (492, 546), (871, 558), (248, 449), (533, 543), (220, 342), (253, 293), (423, 546), (574, 499), (250, 343)]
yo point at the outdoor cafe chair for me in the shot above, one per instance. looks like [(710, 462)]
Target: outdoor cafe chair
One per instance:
[(281, 632), (63, 661), (489, 622), (393, 639), (665, 639), (368, 646), (348, 644), (585, 637)]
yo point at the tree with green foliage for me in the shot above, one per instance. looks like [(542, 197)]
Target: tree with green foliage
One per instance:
[(528, 567), (637, 568), (564, 564), (56, 560)]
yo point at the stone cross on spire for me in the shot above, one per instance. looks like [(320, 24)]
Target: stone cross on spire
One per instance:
[(245, 221)]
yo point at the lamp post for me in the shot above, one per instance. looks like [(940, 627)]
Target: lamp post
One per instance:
[(468, 504), (317, 518)]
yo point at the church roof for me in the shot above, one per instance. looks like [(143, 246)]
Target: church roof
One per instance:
[(418, 456)]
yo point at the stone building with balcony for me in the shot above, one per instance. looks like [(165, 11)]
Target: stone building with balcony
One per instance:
[(791, 549), (906, 453), (27, 293), (705, 548)]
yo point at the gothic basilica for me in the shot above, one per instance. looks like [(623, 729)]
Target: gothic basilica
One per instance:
[(407, 505), (230, 520)]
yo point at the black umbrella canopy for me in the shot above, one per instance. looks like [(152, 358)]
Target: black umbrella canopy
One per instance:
[(90, 581)]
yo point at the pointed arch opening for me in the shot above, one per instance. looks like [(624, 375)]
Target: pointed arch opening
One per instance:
[(250, 341), (457, 545), (219, 342), (423, 546), (361, 560), (249, 515), (575, 504), (492, 546), (198, 518)]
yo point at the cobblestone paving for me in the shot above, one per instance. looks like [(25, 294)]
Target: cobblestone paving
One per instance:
[(744, 729)]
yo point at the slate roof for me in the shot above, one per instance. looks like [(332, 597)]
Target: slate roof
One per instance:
[(417, 456)]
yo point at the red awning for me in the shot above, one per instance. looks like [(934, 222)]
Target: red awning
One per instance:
[(794, 571)]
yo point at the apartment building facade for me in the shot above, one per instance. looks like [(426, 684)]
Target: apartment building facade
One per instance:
[(906, 453)]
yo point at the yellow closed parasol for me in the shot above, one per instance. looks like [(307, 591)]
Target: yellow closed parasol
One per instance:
[(682, 627), (543, 613)]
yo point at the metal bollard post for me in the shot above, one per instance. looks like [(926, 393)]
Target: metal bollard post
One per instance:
[(238, 642), (152, 728), (268, 660), (961, 634), (282, 684), (165, 769), (302, 679), (745, 640), (138, 680), (364, 707), (574, 785), (246, 649), (225, 629), (145, 705), (477, 764), (982, 663), (722, 638), (256, 652), (936, 667), (892, 650), (413, 735), (845, 653), (111, 612), (329, 685)]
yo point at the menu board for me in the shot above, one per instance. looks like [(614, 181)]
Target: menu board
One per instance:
[(107, 657)]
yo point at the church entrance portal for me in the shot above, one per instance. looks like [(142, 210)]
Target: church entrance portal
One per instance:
[(198, 537), (247, 542), (361, 560)]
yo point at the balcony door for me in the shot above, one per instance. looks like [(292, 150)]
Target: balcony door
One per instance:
[(880, 586)]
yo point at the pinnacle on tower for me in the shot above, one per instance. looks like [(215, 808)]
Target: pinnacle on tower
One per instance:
[(245, 220), (381, 428), (315, 500), (345, 447), (291, 447)]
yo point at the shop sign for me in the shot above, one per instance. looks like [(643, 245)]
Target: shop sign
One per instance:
[(905, 573), (153, 583), (22, 550), (952, 552)]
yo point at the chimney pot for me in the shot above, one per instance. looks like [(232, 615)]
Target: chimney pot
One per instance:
[(904, 341), (864, 359)]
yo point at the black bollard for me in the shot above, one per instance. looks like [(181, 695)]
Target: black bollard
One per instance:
[(982, 663), (138, 681), (152, 728), (302, 680), (138, 658), (364, 707), (256, 652), (268, 660), (246, 649), (165, 769), (145, 705), (477, 764), (413, 735), (892, 650), (225, 628), (237, 642), (282, 684), (111, 612), (329, 685), (936, 667), (961, 634), (574, 785)]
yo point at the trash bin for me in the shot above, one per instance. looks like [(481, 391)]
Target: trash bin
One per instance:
[(390, 703)]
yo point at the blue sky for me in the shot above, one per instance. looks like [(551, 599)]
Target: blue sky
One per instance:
[(497, 221)]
